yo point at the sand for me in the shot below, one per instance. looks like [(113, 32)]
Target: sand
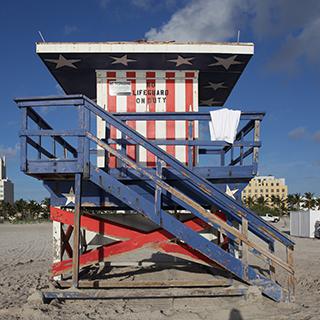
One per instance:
[(25, 258)]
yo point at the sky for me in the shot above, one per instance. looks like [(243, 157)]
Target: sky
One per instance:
[(281, 78)]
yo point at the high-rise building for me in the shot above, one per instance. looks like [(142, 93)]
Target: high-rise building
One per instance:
[(266, 186), (6, 186)]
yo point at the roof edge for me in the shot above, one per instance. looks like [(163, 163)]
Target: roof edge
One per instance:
[(145, 47)]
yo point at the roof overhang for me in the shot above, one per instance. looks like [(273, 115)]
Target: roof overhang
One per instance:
[(74, 64)]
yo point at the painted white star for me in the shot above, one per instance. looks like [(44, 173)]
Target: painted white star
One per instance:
[(216, 86), (230, 192), (70, 197), (181, 60), (123, 60), (225, 62), (210, 102), (63, 62)]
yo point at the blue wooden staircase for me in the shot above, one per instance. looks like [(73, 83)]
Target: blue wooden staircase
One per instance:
[(193, 192)]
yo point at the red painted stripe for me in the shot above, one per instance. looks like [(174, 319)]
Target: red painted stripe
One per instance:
[(155, 238), (151, 125), (131, 107), (189, 74), (111, 74), (150, 74), (170, 107), (110, 228), (131, 74), (112, 107), (188, 108)]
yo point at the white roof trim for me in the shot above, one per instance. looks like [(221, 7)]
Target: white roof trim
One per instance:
[(144, 47)]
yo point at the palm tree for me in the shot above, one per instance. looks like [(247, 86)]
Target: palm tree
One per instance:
[(250, 201), (262, 201), (318, 203), (298, 199), (309, 201), (45, 204), (276, 201)]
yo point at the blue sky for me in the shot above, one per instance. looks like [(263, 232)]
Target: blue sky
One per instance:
[(281, 78)]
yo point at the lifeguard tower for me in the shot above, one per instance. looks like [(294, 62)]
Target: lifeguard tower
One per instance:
[(128, 162)]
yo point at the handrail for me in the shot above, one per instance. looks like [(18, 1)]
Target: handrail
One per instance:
[(189, 202), (201, 184), (44, 125), (198, 184)]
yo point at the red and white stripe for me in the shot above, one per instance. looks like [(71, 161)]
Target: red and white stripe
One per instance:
[(182, 96)]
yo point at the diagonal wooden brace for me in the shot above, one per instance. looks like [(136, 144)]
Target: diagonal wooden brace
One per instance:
[(136, 239)]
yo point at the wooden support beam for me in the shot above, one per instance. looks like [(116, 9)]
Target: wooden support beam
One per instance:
[(244, 230), (256, 138), (158, 190), (57, 243), (65, 237), (157, 293), (76, 231), (192, 204), (216, 282), (291, 277)]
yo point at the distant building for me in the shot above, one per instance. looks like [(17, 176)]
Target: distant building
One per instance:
[(6, 186), (266, 186)]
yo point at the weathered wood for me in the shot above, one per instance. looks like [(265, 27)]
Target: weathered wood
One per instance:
[(76, 231), (244, 230), (218, 282), (256, 138), (291, 277), (57, 244), (193, 204), (157, 293), (66, 247)]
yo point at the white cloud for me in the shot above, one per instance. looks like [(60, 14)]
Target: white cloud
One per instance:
[(296, 22), (9, 152), (202, 20), (297, 133)]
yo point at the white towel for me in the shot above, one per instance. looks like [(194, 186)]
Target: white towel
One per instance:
[(224, 124)]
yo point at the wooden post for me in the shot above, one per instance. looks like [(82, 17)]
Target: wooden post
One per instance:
[(76, 231), (291, 278), (244, 230), (158, 192), (190, 148), (23, 140), (57, 244), (241, 150), (256, 138)]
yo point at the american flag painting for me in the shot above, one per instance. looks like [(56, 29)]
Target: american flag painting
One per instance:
[(148, 91)]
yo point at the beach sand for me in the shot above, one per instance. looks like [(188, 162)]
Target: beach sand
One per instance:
[(25, 258)]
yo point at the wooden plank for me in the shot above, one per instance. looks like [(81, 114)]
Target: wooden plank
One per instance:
[(76, 232), (244, 230), (158, 239), (217, 282), (65, 241), (192, 204), (291, 278), (145, 293), (256, 138)]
